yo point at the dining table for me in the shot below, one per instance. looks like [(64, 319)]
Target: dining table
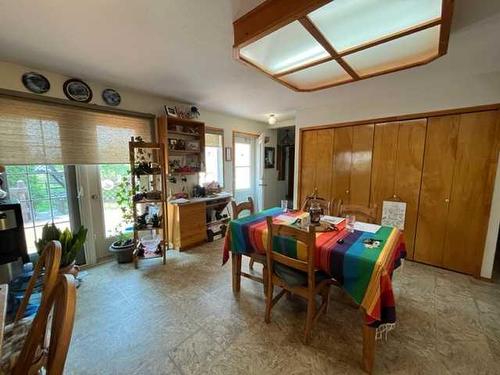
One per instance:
[(361, 259)]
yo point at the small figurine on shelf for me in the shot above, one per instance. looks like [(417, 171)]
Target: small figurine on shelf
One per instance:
[(141, 222), (140, 250), (195, 113), (156, 220), (158, 249)]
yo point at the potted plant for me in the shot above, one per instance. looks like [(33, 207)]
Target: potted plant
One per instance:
[(71, 245), (123, 248)]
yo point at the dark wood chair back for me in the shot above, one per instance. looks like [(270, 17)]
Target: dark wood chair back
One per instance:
[(58, 326), (323, 203), (306, 237), (362, 213), (48, 262), (238, 208)]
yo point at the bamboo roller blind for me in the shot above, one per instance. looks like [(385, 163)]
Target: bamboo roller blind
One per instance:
[(45, 133)]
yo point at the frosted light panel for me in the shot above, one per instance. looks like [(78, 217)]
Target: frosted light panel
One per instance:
[(400, 52), (350, 23), (287, 48), (317, 76)]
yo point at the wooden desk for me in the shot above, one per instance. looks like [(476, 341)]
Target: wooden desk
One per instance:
[(4, 292), (188, 222)]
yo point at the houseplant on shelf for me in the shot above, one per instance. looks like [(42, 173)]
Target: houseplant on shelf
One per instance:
[(125, 245), (71, 245)]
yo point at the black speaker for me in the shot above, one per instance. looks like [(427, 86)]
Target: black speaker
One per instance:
[(12, 239)]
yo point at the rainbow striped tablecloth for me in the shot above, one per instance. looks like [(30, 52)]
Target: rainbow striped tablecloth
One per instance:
[(364, 273)]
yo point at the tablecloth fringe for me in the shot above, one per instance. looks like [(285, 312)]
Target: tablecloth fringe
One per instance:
[(383, 329)]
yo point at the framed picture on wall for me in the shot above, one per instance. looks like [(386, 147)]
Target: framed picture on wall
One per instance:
[(269, 155), (228, 154)]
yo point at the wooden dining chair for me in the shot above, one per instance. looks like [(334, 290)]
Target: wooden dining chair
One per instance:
[(45, 343), (48, 263), (322, 202), (362, 213), (294, 276), (236, 210)]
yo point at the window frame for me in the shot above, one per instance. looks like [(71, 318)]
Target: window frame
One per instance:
[(217, 131)]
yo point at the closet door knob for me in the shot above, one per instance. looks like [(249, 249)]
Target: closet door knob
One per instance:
[(347, 191), (447, 200)]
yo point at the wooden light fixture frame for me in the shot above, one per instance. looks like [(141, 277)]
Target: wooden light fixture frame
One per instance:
[(272, 15)]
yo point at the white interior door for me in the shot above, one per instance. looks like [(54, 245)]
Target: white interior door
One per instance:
[(244, 167)]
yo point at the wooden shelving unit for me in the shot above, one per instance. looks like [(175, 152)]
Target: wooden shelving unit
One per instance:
[(179, 136), (147, 164)]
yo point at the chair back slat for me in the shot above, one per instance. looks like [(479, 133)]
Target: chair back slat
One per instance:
[(290, 262), (362, 213), (307, 237), (238, 208), (48, 262), (326, 205), (62, 302)]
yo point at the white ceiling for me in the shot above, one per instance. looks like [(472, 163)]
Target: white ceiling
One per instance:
[(182, 49)]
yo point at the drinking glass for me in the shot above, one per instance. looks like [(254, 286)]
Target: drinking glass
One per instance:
[(284, 205), (350, 220)]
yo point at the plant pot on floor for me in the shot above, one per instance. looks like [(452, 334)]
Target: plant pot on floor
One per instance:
[(71, 269), (124, 250)]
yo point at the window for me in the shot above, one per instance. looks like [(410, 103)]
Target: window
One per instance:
[(42, 192), (214, 162)]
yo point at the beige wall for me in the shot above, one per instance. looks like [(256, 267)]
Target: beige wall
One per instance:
[(10, 78)]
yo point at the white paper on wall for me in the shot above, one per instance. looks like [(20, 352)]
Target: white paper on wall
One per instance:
[(393, 214)]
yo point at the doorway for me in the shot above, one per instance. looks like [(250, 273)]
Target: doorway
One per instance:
[(244, 152), (102, 210), (286, 163)]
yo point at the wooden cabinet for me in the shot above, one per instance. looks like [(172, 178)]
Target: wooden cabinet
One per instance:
[(352, 155), (437, 177), (443, 167), (187, 224), (337, 162), (342, 162), (316, 163), (459, 168), (398, 152)]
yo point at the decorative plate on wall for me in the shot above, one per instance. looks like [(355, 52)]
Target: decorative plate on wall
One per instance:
[(111, 97), (36, 82), (77, 90)]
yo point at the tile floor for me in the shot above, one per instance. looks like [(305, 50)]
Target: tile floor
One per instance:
[(182, 318)]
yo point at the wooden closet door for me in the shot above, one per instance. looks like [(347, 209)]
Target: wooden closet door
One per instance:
[(361, 164), (324, 162), (307, 164), (342, 152), (385, 142), (408, 174), (470, 200), (437, 177)]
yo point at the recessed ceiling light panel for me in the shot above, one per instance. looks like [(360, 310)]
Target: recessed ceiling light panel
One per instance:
[(309, 45)]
